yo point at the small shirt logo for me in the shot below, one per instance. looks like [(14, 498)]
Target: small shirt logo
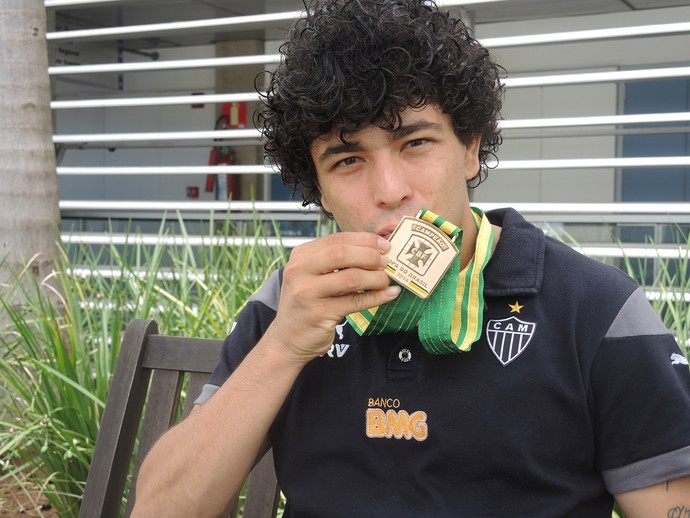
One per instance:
[(338, 349), (678, 359), (340, 330), (509, 337)]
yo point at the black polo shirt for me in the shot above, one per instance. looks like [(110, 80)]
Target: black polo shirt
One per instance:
[(574, 391)]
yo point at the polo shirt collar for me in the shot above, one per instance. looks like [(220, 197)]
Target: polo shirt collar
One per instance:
[(517, 265)]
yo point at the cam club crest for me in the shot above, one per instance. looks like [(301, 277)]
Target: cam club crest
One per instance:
[(509, 337)]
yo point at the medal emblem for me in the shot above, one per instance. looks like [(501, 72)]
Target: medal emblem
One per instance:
[(419, 256)]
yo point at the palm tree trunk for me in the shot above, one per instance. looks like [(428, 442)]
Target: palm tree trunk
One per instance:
[(29, 209)]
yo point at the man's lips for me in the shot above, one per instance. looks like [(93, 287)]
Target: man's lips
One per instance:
[(386, 232)]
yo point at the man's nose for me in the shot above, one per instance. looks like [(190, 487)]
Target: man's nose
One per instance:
[(391, 183)]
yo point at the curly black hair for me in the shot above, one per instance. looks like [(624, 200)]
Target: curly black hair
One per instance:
[(347, 64)]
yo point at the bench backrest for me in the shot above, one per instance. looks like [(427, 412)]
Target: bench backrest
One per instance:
[(150, 373)]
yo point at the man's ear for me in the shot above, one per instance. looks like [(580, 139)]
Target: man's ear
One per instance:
[(472, 158), (324, 202)]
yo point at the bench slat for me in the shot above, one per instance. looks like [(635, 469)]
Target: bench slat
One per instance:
[(262, 484), (197, 380), (173, 353), (161, 413)]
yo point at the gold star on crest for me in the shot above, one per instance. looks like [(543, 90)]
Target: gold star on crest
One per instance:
[(515, 308)]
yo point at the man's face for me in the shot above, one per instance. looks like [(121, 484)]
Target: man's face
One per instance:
[(378, 177)]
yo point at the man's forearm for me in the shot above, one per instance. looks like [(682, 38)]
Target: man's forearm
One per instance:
[(670, 499), (196, 468)]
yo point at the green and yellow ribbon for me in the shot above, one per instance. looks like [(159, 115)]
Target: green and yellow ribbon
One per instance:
[(451, 319)]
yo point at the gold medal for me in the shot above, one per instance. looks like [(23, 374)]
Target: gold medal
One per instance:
[(419, 256)]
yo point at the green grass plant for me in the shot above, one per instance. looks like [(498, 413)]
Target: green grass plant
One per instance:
[(59, 347), (669, 291)]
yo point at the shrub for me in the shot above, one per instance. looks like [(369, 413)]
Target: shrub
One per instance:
[(59, 348)]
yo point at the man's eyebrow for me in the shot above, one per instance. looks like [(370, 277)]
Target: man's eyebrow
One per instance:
[(405, 130), (340, 147)]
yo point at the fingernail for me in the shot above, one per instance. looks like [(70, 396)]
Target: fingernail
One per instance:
[(384, 260), (393, 291), (383, 244)]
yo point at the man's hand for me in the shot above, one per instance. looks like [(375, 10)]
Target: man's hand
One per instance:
[(323, 281)]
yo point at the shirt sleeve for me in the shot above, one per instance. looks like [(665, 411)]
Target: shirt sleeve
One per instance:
[(640, 397)]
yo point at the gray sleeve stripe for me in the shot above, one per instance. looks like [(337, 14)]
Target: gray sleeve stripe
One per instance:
[(636, 318), (644, 473), (206, 392), (269, 293)]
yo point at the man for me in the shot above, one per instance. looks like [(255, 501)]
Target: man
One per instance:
[(556, 388)]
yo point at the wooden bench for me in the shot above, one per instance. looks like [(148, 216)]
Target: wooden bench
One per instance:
[(149, 374)]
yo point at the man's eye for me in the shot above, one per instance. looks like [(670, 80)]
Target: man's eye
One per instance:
[(348, 161), (416, 142)]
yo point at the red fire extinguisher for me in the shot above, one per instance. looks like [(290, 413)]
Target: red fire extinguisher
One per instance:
[(225, 186)]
